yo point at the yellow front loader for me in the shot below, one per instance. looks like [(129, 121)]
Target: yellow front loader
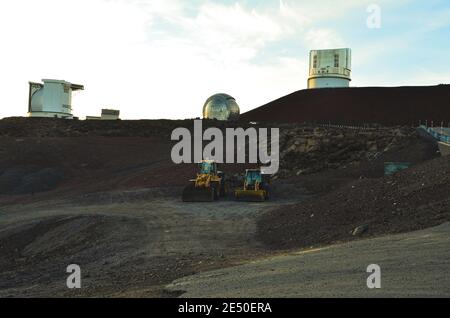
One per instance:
[(255, 188), (208, 186)]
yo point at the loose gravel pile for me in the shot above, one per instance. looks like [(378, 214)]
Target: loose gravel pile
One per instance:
[(409, 200)]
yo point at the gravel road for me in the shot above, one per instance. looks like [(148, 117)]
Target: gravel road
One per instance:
[(128, 249), (415, 264)]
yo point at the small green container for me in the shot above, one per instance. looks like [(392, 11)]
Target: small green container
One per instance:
[(391, 168)]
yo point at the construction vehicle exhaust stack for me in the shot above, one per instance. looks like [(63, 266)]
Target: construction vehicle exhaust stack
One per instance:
[(208, 186), (255, 187)]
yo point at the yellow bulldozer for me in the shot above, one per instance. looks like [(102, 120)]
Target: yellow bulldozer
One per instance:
[(208, 186), (255, 187)]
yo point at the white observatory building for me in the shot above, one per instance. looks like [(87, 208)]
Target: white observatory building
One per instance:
[(53, 98), (330, 68)]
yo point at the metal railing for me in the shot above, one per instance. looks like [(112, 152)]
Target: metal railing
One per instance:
[(330, 71), (439, 133)]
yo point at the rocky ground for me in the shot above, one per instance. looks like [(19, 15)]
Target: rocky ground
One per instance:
[(107, 195), (412, 265), (131, 248), (45, 154), (309, 149), (409, 200)]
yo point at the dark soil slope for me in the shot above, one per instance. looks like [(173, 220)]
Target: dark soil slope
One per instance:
[(46, 157), (410, 200), (383, 105)]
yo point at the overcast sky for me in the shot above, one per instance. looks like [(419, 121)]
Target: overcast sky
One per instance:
[(164, 58)]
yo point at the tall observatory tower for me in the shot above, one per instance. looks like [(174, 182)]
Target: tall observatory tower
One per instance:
[(330, 68)]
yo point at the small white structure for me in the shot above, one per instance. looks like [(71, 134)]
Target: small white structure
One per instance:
[(107, 114), (53, 98), (330, 68), (110, 114)]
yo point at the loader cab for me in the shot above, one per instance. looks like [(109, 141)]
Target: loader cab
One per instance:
[(253, 176), (208, 167)]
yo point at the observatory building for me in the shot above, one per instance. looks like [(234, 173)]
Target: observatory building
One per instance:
[(107, 114), (221, 107), (53, 98), (330, 68)]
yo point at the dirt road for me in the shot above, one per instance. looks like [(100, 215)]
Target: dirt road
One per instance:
[(124, 249), (412, 265)]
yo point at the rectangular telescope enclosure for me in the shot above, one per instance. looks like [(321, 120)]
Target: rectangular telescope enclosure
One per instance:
[(52, 98), (330, 68)]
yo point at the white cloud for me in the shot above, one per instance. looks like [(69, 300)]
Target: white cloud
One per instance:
[(323, 39), (113, 48), (160, 58), (82, 41)]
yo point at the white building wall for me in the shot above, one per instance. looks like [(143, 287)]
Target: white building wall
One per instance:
[(54, 99), (329, 68), (328, 82), (57, 97), (110, 117)]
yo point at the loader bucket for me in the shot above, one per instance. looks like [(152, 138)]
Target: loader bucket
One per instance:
[(250, 195), (198, 194)]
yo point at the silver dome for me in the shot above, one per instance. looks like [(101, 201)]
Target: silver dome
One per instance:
[(221, 107)]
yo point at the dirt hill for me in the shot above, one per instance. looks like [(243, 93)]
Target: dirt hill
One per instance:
[(382, 105), (44, 155), (413, 199)]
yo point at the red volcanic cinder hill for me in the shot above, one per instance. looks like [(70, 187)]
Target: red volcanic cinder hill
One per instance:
[(382, 105)]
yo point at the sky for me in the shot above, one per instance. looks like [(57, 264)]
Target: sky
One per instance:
[(157, 59)]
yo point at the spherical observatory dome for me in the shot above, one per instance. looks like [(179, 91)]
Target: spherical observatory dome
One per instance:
[(221, 107)]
